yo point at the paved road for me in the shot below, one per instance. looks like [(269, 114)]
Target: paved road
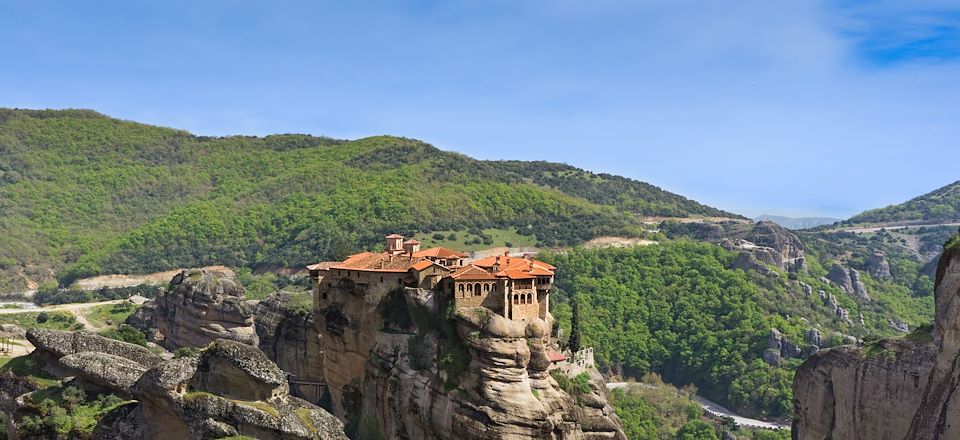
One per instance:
[(716, 410), (891, 227), (60, 307), (76, 309)]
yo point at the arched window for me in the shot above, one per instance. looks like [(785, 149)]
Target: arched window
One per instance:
[(470, 288), (460, 286), (529, 298), (476, 289), (486, 287), (516, 298), (494, 288)]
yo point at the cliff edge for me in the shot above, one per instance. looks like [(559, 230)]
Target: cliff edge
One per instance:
[(890, 389)]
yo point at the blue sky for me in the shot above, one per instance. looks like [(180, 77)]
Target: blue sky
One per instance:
[(795, 108)]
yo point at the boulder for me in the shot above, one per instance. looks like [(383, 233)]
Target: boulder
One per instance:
[(859, 289), (198, 307), (848, 280), (813, 337), (898, 325), (239, 371), (108, 371), (878, 266), (840, 276), (51, 345)]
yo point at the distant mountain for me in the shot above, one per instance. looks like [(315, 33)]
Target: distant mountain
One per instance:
[(942, 205), (798, 222), (82, 194)]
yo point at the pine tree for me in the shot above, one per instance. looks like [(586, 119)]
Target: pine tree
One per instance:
[(574, 342)]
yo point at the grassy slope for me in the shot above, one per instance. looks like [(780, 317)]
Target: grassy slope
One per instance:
[(81, 193)]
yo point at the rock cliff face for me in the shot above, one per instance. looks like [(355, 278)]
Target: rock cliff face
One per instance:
[(292, 340), (198, 307), (472, 375), (893, 389)]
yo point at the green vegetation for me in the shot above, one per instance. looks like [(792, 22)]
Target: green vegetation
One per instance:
[(907, 295), (85, 194), (476, 239), (675, 309), (126, 333), (51, 320), (51, 294), (65, 412), (576, 386), (654, 410), (260, 286), (110, 315), (25, 366), (940, 205)]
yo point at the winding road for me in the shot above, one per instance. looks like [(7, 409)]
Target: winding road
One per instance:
[(715, 410)]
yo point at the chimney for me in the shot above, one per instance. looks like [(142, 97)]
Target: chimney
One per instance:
[(394, 244), (411, 246)]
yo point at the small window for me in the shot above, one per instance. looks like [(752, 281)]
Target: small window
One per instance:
[(381, 279)]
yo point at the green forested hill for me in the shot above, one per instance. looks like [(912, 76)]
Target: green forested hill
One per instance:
[(940, 205), (82, 194)]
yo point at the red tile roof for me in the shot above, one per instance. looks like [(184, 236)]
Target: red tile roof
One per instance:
[(556, 357), (394, 236), (423, 264), (411, 241), (440, 252), (471, 272), (517, 268), (377, 262)]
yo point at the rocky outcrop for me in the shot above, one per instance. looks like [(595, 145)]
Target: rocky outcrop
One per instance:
[(53, 345), (227, 389), (830, 301), (892, 389), (878, 266), (848, 280), (114, 373), (746, 261), (290, 338), (780, 348), (199, 306), (767, 242), (472, 375)]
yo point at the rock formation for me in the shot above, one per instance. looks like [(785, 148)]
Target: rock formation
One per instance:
[(878, 266), (290, 339), (892, 389), (199, 306), (780, 348), (848, 280), (53, 345), (765, 241), (227, 389), (470, 375), (860, 394)]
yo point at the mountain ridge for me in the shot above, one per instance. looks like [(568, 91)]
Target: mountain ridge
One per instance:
[(84, 194), (939, 205)]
